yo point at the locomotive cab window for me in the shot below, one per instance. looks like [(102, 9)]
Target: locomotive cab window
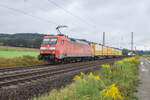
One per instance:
[(50, 41), (62, 42)]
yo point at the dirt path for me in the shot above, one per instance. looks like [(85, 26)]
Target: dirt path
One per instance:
[(144, 88)]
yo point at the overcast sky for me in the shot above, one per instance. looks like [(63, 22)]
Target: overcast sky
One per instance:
[(86, 19)]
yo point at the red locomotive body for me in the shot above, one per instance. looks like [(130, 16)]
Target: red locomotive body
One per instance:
[(61, 48)]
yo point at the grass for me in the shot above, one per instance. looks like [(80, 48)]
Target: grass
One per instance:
[(117, 82), (19, 61), (15, 56), (13, 52), (8, 48), (147, 56)]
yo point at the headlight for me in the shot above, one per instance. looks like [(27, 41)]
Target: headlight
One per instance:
[(52, 48), (43, 48)]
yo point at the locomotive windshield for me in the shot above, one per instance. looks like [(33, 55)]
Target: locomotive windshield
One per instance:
[(50, 41)]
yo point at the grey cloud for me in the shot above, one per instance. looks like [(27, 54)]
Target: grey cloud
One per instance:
[(118, 18)]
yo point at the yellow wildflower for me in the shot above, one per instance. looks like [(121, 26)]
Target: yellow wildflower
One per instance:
[(77, 78), (90, 75), (127, 60), (132, 59), (110, 72), (96, 78), (106, 66), (81, 74), (119, 62), (112, 92)]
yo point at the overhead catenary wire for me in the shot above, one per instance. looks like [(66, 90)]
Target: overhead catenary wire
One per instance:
[(72, 14), (80, 19), (27, 14), (45, 20)]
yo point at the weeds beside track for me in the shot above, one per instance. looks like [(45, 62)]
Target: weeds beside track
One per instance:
[(26, 84), (19, 62), (117, 82)]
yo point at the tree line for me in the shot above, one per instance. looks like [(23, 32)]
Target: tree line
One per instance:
[(28, 40), (33, 40)]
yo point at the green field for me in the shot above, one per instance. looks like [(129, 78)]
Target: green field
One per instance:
[(147, 56), (15, 56), (13, 52)]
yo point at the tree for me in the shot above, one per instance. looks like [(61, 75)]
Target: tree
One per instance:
[(125, 52), (29, 40)]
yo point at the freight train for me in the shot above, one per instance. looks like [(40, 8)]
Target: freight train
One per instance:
[(60, 48)]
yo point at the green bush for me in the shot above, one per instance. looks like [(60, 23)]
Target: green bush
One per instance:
[(117, 82)]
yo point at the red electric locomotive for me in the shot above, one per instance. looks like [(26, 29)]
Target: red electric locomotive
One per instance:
[(60, 48)]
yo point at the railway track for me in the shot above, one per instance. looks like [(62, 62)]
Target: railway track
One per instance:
[(10, 69), (13, 78), (3, 70), (15, 69), (16, 77)]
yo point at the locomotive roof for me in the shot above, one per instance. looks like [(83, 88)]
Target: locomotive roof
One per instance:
[(72, 39), (82, 40)]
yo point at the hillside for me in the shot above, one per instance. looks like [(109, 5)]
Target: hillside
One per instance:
[(28, 40)]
